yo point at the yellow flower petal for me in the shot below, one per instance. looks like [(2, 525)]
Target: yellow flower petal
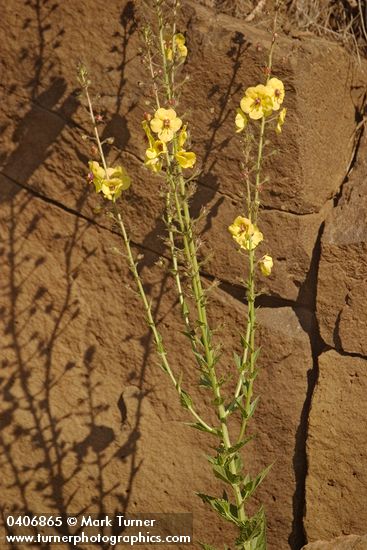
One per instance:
[(120, 177), (165, 114), (169, 54), (175, 124), (180, 44), (186, 159), (152, 155), (240, 121), (180, 39), (148, 132), (156, 125), (182, 137), (281, 119), (97, 170), (166, 135), (278, 92), (154, 163)]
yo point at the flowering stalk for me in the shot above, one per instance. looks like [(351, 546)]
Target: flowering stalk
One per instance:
[(258, 103), (167, 136), (113, 192), (165, 124)]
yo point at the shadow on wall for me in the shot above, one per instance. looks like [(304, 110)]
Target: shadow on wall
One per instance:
[(36, 132), (52, 455), (56, 447)]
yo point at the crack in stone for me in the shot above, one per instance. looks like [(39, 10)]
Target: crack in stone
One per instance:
[(318, 347), (347, 353), (73, 212)]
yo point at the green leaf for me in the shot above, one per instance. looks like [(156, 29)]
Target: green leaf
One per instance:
[(202, 428), (248, 414), (253, 533), (186, 400), (244, 342), (250, 485), (205, 381), (232, 450), (255, 355), (233, 405), (238, 362), (221, 506), (222, 469), (179, 383), (200, 359), (253, 406)]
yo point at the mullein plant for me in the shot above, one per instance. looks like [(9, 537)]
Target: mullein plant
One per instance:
[(168, 153)]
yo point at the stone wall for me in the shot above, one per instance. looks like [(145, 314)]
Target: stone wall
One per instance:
[(88, 423)]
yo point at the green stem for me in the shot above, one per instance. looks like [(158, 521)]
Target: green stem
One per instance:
[(206, 336), (253, 209), (184, 307), (256, 202), (132, 265), (185, 223), (163, 52), (156, 335)]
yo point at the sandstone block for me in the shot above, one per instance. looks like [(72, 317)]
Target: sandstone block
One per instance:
[(337, 462), (341, 296), (351, 542)]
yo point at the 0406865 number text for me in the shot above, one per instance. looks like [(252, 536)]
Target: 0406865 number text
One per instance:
[(34, 521)]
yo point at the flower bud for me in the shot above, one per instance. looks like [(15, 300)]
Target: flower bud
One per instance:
[(266, 264)]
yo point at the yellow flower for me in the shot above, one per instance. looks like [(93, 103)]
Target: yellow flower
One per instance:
[(110, 182), (266, 264), (257, 102), (186, 159), (180, 45), (278, 92), (245, 233), (180, 48), (152, 155), (281, 119), (148, 133), (240, 121), (165, 123), (182, 137)]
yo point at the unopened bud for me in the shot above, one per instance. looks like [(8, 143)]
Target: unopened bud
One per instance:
[(148, 117), (110, 140)]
